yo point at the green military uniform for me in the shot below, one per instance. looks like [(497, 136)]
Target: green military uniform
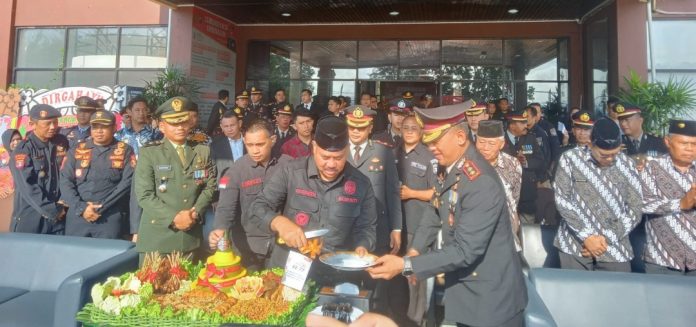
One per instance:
[(165, 186)]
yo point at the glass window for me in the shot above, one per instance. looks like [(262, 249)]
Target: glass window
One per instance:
[(601, 95), (378, 60), (419, 54), (532, 59), (90, 78), (472, 52), (39, 79), (329, 59), (136, 77), (40, 48), (672, 49), (563, 60), (143, 47), (344, 88), (92, 48), (480, 90)]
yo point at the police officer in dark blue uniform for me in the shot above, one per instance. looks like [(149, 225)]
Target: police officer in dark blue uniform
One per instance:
[(35, 165), (84, 108), (635, 140), (96, 180)]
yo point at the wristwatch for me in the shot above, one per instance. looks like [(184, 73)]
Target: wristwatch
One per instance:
[(408, 267)]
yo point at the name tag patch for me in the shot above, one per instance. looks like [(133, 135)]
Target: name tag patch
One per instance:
[(307, 193)]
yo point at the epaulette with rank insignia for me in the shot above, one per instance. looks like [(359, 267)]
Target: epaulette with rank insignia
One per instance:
[(470, 169), (152, 143), (383, 143)]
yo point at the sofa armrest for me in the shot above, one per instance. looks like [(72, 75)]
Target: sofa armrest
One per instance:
[(536, 313), (74, 292)]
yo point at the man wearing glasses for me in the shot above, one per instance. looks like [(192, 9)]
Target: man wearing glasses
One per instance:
[(599, 196)]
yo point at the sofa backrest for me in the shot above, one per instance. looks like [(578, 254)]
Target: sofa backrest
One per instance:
[(593, 298), (42, 262), (537, 246)]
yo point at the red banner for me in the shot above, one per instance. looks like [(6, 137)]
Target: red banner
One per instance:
[(216, 27)]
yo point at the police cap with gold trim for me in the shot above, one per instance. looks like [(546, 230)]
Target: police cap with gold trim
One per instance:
[(359, 116), (625, 109), (174, 110), (517, 115), (86, 103), (331, 134), (284, 109), (476, 109), (583, 119), (436, 121), (243, 94), (102, 117), (255, 90), (43, 112), (682, 127), (407, 95)]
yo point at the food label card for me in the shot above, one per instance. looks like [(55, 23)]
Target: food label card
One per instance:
[(296, 270)]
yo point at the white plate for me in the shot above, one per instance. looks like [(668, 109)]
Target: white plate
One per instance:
[(353, 315), (348, 261)]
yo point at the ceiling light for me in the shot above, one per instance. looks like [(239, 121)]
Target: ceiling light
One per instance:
[(513, 11), (394, 13), (286, 14)]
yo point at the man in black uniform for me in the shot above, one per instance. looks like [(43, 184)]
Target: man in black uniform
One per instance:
[(485, 284), (238, 188), (96, 180), (256, 107), (85, 106), (522, 144), (376, 161), (554, 141), (216, 112), (636, 141), (35, 165), (397, 111), (319, 191)]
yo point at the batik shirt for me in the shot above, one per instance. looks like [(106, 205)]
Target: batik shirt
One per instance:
[(295, 148), (138, 139), (671, 232), (510, 172), (595, 200)]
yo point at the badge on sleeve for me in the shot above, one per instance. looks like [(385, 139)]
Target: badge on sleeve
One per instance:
[(222, 185), (20, 160), (133, 160)]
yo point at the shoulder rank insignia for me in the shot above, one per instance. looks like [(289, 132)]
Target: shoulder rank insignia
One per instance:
[(470, 170), (152, 143), (383, 143)]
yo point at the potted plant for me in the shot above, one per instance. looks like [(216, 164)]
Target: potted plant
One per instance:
[(170, 83), (659, 101)]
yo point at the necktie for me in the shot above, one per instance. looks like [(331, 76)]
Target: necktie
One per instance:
[(517, 140), (636, 144), (180, 152), (306, 106), (356, 156)]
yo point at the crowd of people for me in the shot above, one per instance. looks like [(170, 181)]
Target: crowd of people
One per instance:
[(431, 191)]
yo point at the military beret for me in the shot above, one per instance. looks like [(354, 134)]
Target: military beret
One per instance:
[(407, 95), (285, 109), (583, 118), (242, 95), (625, 109), (43, 112), (436, 121), (331, 134), (517, 115), (682, 127), (255, 90), (86, 103), (402, 106), (490, 129), (606, 134), (359, 116), (173, 111), (476, 109), (102, 117)]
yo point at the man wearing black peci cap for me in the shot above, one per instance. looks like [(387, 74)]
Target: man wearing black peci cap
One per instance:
[(598, 195), (35, 166), (96, 180), (669, 200), (320, 191)]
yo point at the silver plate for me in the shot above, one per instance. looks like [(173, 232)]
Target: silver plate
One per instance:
[(348, 261), (316, 233)]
